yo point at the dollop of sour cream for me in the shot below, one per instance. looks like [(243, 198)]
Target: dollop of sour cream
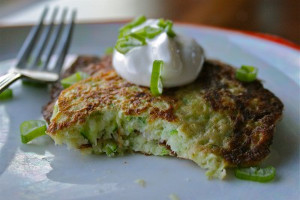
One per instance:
[(183, 59)]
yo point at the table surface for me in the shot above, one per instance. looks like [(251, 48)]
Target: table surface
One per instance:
[(276, 17)]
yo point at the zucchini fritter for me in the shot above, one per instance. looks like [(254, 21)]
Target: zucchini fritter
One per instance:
[(216, 121)]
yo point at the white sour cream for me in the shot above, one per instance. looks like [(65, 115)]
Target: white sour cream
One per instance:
[(183, 59)]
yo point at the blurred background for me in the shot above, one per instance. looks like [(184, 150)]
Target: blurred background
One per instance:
[(276, 17)]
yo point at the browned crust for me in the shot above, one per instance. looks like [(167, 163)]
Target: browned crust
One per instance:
[(254, 110), (87, 64)]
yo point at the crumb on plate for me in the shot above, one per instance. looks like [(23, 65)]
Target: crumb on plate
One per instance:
[(141, 182), (173, 197)]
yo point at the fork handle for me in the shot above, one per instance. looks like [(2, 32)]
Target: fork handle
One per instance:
[(8, 79)]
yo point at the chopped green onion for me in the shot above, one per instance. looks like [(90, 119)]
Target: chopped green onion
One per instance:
[(156, 86), (6, 94), (70, 80), (136, 22), (169, 30), (174, 132), (111, 148), (152, 32), (84, 135), (138, 37), (38, 84), (164, 152), (256, 173), (168, 26), (128, 42), (161, 23), (109, 50), (246, 73), (124, 33), (148, 32), (32, 129)]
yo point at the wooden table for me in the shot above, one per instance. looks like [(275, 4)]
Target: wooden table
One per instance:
[(277, 17)]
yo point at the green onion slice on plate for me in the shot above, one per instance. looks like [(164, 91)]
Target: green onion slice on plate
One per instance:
[(74, 78), (32, 129), (6, 94), (156, 86), (246, 73), (256, 174)]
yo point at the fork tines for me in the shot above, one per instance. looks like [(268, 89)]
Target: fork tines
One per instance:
[(44, 40)]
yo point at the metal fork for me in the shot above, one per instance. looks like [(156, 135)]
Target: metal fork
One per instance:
[(32, 50)]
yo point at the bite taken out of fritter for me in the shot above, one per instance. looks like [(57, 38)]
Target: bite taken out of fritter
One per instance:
[(216, 121)]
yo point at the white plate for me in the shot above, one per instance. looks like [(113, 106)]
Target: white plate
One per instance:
[(44, 171)]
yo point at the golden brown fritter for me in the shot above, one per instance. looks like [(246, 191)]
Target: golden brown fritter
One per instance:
[(252, 111)]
